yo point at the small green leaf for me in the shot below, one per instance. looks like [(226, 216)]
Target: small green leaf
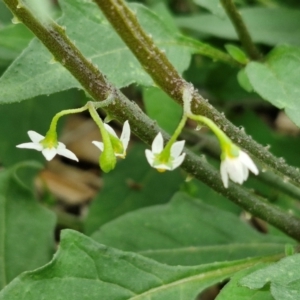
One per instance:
[(82, 269), (233, 291), (214, 6), (282, 278), (26, 228), (237, 53), (160, 107), (244, 81), (277, 79), (130, 186), (186, 232)]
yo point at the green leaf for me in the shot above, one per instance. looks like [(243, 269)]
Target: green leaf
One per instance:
[(214, 6), (282, 278), (13, 39), (26, 228), (160, 107), (237, 53), (233, 291), (82, 269), (244, 81), (34, 114), (186, 232), (33, 74), (130, 186), (268, 26), (276, 80)]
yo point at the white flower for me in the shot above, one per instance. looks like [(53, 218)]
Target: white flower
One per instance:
[(48, 151), (236, 168), (124, 140), (159, 160)]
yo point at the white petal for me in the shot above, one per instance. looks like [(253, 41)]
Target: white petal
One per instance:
[(245, 172), (158, 144), (177, 148), (178, 161), (224, 174), (34, 136), (60, 146), (247, 161), (150, 157), (110, 130), (235, 170), (34, 146), (100, 145), (49, 153), (67, 153), (125, 136)]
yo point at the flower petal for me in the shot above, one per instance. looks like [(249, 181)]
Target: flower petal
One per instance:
[(110, 130), (235, 170), (67, 153), (162, 167), (34, 146), (224, 175), (248, 162), (49, 153), (158, 144), (125, 135), (177, 148), (178, 161), (34, 136), (100, 145), (150, 157)]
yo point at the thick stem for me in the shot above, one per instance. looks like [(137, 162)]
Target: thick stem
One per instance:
[(123, 109), (163, 73), (241, 29)]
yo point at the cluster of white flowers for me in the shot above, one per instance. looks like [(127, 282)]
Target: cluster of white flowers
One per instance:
[(234, 167)]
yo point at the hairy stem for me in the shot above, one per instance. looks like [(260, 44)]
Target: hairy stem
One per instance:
[(163, 73), (54, 38), (241, 29)]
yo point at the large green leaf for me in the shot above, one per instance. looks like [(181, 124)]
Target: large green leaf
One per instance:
[(277, 79), (32, 73), (233, 290), (82, 269), (282, 278), (269, 26), (186, 232), (134, 184), (13, 39), (26, 229)]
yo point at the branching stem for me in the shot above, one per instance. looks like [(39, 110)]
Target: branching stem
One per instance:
[(54, 38), (163, 73)]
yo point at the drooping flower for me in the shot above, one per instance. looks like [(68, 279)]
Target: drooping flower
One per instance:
[(119, 144), (236, 166), (49, 146), (163, 160)]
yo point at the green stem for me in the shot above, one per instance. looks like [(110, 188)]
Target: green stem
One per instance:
[(104, 132), (241, 29), (63, 113), (163, 73), (145, 128), (175, 134), (222, 137)]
